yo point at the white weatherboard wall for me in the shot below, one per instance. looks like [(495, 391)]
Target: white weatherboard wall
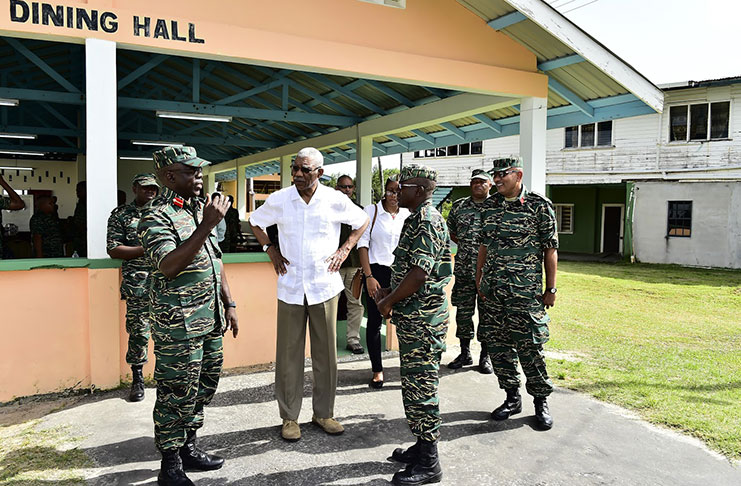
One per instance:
[(716, 224)]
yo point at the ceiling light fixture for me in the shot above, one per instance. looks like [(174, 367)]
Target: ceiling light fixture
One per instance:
[(15, 168), (24, 136), (21, 152), (8, 102), (156, 143), (125, 157), (194, 116)]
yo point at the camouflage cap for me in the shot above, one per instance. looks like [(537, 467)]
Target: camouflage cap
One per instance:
[(481, 174), (417, 171), (145, 179), (176, 154), (506, 163)]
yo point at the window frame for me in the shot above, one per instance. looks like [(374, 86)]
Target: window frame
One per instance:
[(595, 134), (558, 207), (422, 154), (669, 219), (709, 123)]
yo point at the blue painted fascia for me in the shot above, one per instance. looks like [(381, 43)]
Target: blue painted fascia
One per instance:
[(560, 62)]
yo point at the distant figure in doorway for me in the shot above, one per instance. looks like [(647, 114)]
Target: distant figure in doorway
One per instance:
[(233, 231), (308, 215), (121, 195), (376, 250), (123, 242), (80, 220), (11, 202), (348, 269), (46, 230), (518, 241)]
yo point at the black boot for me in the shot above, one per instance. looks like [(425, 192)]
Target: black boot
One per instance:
[(464, 359), (171, 470), (484, 361), (542, 414), (426, 470), (136, 394), (408, 456), (195, 459), (512, 405)]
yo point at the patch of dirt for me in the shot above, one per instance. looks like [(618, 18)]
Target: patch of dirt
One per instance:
[(30, 408)]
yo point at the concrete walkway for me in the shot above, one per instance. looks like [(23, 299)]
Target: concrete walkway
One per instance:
[(591, 443)]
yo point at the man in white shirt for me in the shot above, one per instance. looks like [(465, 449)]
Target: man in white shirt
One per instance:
[(308, 216)]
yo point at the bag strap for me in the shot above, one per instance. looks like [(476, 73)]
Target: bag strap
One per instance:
[(375, 215)]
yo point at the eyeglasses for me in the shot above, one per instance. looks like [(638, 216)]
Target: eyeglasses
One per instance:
[(402, 185), (503, 173), (392, 193), (304, 170), (345, 186)]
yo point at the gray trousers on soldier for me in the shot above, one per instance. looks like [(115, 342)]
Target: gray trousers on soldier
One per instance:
[(138, 324), (516, 334), (289, 357), (464, 297)]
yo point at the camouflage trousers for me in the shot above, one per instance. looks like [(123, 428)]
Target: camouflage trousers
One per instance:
[(138, 323), (187, 374), (421, 347), (514, 335), (464, 297)]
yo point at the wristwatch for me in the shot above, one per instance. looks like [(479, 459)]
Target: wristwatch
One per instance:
[(551, 290), (230, 304), (265, 247)]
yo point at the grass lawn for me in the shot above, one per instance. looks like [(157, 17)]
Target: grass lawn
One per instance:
[(662, 340)]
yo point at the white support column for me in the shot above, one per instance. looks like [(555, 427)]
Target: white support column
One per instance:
[(101, 141), (285, 170), (364, 170), (242, 193), (533, 126)]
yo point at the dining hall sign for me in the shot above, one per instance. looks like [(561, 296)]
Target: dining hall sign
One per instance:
[(96, 20)]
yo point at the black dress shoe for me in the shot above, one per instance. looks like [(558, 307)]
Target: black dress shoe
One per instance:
[(356, 348), (171, 470), (195, 459), (542, 414), (376, 384), (512, 405)]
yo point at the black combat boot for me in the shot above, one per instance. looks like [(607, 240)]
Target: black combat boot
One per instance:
[(196, 459), (171, 470), (542, 414), (408, 456), (484, 361), (464, 359), (426, 470), (512, 405), (136, 394)]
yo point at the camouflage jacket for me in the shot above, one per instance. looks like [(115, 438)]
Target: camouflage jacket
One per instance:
[(50, 228), (4, 204), (515, 234), (122, 231), (465, 221), (423, 243), (188, 305)]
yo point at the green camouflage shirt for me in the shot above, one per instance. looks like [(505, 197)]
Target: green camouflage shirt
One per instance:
[(465, 221), (188, 305), (423, 243), (515, 234), (122, 231), (50, 229)]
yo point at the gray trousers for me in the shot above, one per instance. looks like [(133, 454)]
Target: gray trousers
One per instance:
[(289, 357), (354, 306)]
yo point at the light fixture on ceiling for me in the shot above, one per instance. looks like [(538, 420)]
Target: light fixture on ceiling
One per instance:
[(194, 116), (156, 143), (8, 102), (7, 167), (24, 136), (125, 157), (22, 152)]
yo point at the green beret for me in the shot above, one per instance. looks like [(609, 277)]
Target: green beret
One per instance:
[(481, 174), (145, 179), (174, 155), (506, 163), (417, 171)]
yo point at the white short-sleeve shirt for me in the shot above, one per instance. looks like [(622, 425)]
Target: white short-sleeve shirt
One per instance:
[(308, 235), (385, 237)]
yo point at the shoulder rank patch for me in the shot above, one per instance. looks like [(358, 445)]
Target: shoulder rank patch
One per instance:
[(178, 201)]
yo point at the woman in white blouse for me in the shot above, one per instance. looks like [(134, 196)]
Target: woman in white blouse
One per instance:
[(376, 251)]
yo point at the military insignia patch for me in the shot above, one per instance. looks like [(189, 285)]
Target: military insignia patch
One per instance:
[(178, 201)]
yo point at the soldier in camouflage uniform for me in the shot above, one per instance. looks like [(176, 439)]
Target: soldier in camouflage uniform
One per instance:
[(11, 202), (464, 223), (191, 309), (79, 219), (46, 230), (422, 267), (519, 238), (231, 237), (123, 242)]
